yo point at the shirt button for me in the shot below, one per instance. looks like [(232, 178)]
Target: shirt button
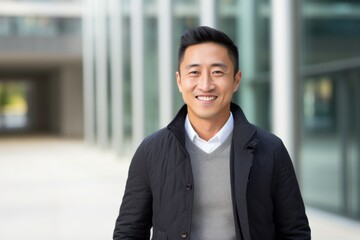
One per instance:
[(188, 187), (184, 235)]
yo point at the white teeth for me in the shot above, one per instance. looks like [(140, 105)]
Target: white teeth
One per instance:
[(206, 98)]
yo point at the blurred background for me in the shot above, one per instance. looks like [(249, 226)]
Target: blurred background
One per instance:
[(82, 82)]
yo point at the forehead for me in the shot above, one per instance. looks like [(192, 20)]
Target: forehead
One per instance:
[(208, 52)]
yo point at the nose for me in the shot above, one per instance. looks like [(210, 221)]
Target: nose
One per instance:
[(206, 83)]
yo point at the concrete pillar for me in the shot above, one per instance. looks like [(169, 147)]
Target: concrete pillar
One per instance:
[(71, 101), (117, 68), (207, 13), (88, 71), (166, 76), (137, 71), (101, 74), (285, 79)]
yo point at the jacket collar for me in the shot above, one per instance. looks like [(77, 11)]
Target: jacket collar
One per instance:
[(243, 134)]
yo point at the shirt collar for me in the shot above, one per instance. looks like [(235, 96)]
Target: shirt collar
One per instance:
[(221, 136)]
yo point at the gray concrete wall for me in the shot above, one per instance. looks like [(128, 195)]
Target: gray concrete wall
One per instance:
[(71, 101)]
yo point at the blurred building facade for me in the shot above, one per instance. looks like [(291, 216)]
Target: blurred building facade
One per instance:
[(41, 67), (130, 59), (116, 84)]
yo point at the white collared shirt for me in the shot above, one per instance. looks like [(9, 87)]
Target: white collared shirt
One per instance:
[(214, 142)]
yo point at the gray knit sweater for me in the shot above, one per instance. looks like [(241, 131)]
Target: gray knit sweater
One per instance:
[(212, 216)]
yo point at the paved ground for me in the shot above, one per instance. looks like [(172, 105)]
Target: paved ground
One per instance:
[(60, 189)]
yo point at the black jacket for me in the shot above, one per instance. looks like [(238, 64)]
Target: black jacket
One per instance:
[(159, 191)]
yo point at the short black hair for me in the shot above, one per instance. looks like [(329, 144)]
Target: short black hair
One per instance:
[(203, 34)]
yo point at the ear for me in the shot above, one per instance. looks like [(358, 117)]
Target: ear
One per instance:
[(237, 80), (178, 81)]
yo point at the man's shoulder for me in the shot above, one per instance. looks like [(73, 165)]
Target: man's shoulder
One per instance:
[(266, 134), (160, 136), (270, 146), (154, 143), (267, 138)]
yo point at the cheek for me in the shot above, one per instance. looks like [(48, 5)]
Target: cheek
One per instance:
[(187, 85), (227, 87)]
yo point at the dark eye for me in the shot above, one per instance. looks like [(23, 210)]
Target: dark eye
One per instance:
[(194, 73), (218, 73)]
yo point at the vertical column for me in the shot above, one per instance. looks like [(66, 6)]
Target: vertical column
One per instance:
[(166, 75), (116, 53), (137, 71), (357, 134), (343, 103), (88, 69), (285, 91), (207, 14), (247, 57), (101, 74)]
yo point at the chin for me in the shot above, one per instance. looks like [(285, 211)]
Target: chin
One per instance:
[(206, 115)]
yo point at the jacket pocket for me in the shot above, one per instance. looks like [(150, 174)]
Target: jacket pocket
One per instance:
[(159, 235)]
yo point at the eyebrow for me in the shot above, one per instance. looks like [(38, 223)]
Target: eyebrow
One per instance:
[(191, 66), (222, 65)]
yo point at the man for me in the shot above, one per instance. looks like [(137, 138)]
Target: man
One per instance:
[(210, 174)]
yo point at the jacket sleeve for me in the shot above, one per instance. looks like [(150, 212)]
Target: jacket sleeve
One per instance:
[(289, 212), (134, 220)]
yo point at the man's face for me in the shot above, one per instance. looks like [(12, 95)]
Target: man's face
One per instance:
[(207, 82)]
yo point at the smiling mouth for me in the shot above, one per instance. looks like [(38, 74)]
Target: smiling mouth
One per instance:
[(206, 98)]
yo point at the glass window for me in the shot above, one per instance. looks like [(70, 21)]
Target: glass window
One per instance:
[(330, 31), (227, 17), (320, 169), (39, 26), (330, 160)]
